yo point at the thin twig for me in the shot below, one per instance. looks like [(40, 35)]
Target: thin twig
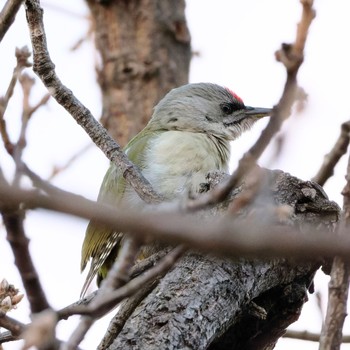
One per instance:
[(117, 276), (145, 264), (331, 159), (45, 69), (22, 56), (28, 110), (292, 56), (78, 335), (253, 184), (59, 169), (8, 15), (309, 336), (137, 269), (107, 298), (13, 216), (130, 304), (40, 183), (135, 284), (110, 300)]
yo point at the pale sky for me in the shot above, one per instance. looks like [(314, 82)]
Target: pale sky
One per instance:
[(236, 41)]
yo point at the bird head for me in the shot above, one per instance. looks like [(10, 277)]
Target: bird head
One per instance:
[(205, 108)]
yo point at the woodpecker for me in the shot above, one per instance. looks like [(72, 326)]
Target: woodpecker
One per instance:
[(187, 136)]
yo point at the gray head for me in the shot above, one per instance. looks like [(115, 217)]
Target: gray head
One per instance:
[(205, 108)]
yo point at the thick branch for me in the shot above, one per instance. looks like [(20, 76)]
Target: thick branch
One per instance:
[(201, 299)]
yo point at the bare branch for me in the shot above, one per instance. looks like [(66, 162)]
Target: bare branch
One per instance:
[(14, 326), (309, 336), (117, 276), (308, 14), (140, 267), (13, 216), (245, 238), (45, 69), (39, 182), (99, 307), (27, 84), (78, 335), (22, 56), (331, 336), (291, 55), (7, 15), (332, 158), (58, 169), (13, 220), (135, 284), (108, 298)]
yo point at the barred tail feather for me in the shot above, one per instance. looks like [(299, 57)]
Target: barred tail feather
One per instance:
[(98, 261)]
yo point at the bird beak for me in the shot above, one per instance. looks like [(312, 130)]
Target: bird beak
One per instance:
[(257, 112)]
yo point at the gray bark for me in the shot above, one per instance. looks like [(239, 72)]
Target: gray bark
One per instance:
[(207, 302)]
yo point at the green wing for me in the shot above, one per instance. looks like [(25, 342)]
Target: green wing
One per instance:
[(100, 241)]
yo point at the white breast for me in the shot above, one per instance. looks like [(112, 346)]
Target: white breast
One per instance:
[(179, 161)]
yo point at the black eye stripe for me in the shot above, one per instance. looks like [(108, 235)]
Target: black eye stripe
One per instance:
[(230, 107)]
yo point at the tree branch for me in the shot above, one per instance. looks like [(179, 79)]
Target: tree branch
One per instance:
[(22, 56), (45, 69), (13, 220), (309, 336), (14, 326), (291, 55), (246, 238), (331, 335), (116, 278), (7, 15), (331, 159)]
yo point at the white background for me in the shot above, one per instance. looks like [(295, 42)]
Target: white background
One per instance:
[(236, 41)]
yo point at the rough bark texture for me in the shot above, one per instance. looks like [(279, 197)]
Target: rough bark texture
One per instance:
[(145, 51), (211, 303)]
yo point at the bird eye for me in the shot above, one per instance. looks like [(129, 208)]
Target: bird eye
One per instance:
[(227, 108)]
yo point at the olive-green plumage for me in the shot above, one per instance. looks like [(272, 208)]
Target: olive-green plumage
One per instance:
[(188, 136)]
